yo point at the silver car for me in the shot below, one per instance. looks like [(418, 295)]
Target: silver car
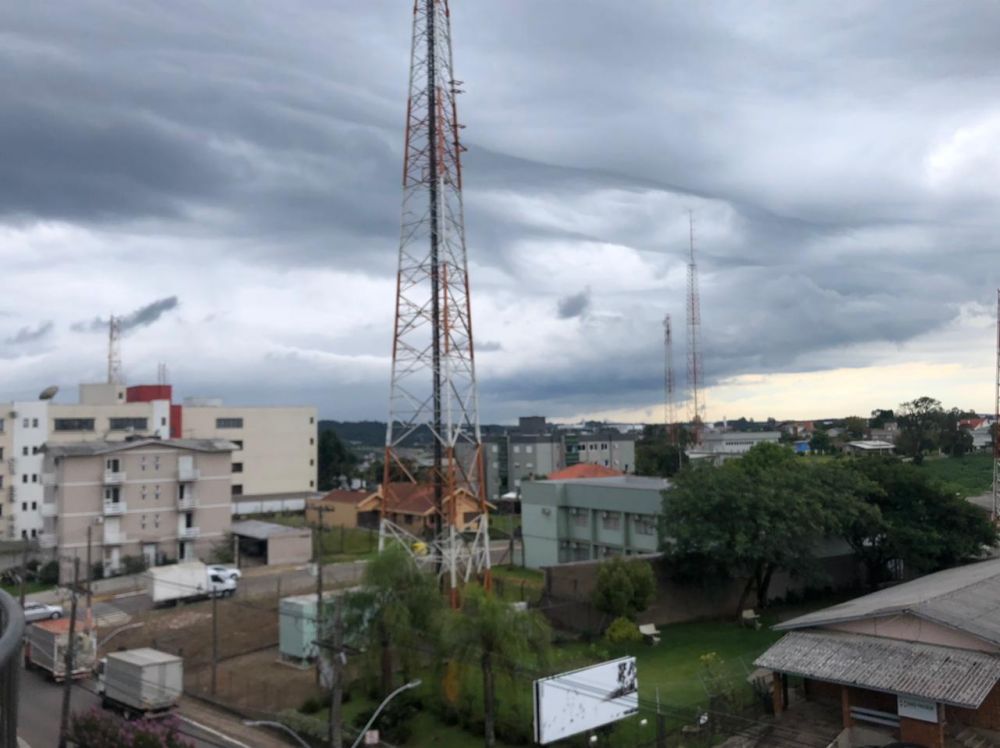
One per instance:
[(41, 612)]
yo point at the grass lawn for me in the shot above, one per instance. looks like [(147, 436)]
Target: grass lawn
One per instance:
[(505, 523), (337, 543), (971, 475), (31, 587)]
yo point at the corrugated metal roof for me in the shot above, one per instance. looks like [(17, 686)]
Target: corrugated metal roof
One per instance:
[(952, 676), (85, 449), (966, 598), (254, 528)]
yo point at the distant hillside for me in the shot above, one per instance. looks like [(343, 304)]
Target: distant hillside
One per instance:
[(372, 433)]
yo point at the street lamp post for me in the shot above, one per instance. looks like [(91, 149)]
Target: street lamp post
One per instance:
[(361, 735), (268, 723)]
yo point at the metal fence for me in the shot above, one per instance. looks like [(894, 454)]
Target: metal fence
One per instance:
[(11, 634)]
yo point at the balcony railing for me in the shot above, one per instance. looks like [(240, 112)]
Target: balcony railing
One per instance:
[(188, 474), (186, 502), (49, 509), (48, 540), (112, 537), (113, 478), (11, 635), (187, 533), (48, 479), (114, 507)]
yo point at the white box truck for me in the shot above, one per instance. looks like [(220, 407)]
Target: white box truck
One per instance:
[(45, 646), (140, 682), (187, 581)]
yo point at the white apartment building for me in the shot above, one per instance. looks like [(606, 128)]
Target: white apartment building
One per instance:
[(275, 447), (720, 445), (164, 500)]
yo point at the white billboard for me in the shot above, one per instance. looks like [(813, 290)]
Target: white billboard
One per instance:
[(581, 700)]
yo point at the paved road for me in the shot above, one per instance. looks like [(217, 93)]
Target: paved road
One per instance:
[(40, 705)]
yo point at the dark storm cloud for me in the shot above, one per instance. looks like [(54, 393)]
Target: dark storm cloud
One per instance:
[(804, 128), (30, 334), (573, 305)]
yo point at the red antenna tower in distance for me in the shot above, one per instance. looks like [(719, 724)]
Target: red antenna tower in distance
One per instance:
[(694, 367)]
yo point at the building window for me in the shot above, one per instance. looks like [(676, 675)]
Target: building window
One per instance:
[(645, 526), (1, 425), (24, 533), (128, 424), (113, 493), (34, 532), (34, 423), (517, 449), (25, 423), (228, 423), (24, 478), (24, 451), (580, 519), (34, 505), (611, 521), (529, 448), (312, 462), (24, 506), (34, 477), (35, 450), (237, 489), (311, 441), (1, 481), (1, 450), (74, 424), (312, 484), (311, 420), (237, 467)]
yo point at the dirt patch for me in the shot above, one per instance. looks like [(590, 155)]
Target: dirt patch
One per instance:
[(255, 681)]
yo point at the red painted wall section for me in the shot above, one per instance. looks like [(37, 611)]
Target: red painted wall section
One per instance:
[(146, 393), (176, 414)]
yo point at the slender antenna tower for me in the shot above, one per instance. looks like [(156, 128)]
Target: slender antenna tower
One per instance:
[(115, 351), (694, 369), (161, 373), (668, 381), (433, 393), (996, 424)]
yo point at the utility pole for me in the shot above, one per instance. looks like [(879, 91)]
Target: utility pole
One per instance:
[(24, 570), (236, 550), (90, 594), (318, 557), (70, 653), (336, 737), (215, 639)]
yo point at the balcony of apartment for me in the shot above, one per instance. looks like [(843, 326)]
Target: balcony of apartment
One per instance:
[(188, 533), (114, 477), (186, 502), (188, 474), (49, 509), (114, 508), (48, 540), (12, 494), (113, 536), (48, 479)]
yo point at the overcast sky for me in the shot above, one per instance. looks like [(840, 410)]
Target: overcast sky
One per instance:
[(226, 175)]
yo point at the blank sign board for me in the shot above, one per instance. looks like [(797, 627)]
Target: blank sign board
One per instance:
[(581, 700)]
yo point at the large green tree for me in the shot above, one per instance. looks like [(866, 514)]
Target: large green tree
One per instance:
[(396, 606), (912, 519), (490, 630), (920, 423), (333, 460), (753, 516)]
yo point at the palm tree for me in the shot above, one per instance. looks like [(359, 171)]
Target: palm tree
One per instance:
[(491, 630), (396, 605)]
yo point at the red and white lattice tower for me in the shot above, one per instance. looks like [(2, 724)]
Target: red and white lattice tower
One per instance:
[(433, 395), (694, 369)]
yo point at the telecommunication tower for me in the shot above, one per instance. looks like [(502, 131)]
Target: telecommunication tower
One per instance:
[(115, 375), (433, 398), (694, 368), (668, 380), (996, 423)]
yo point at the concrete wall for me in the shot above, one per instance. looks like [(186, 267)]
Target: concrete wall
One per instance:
[(570, 586), (288, 548), (278, 455)]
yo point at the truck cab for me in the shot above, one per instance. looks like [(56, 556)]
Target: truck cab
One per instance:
[(221, 586)]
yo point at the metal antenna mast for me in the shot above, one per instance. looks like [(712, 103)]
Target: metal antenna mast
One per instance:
[(433, 395), (694, 371), (996, 424), (668, 380), (115, 351)]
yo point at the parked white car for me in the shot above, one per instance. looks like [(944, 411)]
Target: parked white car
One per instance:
[(226, 572), (41, 612)]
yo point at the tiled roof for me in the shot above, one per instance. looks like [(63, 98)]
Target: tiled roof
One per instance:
[(584, 470), (410, 498), (966, 598), (87, 449), (953, 676), (341, 496)]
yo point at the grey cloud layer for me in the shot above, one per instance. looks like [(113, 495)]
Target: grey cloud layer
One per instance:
[(799, 133)]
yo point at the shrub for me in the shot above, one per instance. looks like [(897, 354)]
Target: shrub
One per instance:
[(222, 551), (311, 705), (49, 573), (99, 729), (624, 588), (622, 631), (134, 564), (394, 724)]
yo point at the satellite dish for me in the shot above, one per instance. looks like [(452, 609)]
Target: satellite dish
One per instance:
[(48, 393)]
